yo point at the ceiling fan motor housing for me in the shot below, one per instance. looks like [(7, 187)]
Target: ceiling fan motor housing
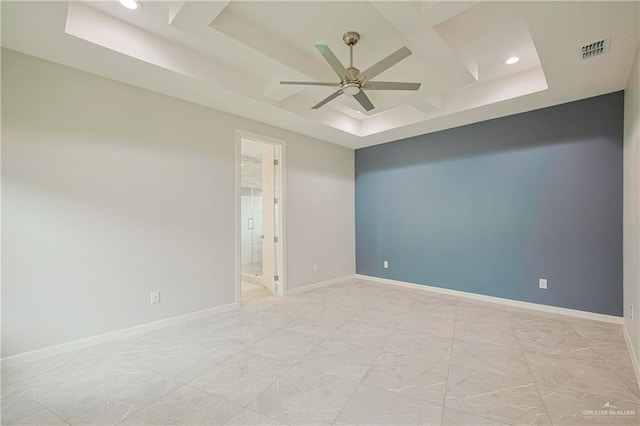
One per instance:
[(352, 73), (350, 38)]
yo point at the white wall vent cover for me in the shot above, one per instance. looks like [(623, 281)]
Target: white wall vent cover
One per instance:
[(595, 48)]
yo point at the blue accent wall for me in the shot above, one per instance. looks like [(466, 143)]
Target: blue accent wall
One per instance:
[(491, 207)]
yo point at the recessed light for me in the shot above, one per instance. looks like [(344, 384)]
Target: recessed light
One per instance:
[(512, 60), (130, 4)]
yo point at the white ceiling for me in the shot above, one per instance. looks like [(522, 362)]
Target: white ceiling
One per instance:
[(231, 55)]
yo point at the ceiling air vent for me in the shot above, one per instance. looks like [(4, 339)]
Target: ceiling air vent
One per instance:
[(596, 48)]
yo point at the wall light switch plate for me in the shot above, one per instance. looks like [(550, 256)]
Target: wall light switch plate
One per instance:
[(542, 283)]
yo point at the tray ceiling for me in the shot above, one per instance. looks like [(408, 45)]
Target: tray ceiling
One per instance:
[(231, 55)]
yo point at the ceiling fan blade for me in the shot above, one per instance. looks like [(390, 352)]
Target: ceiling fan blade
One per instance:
[(384, 64), (391, 85), (364, 100), (311, 83), (327, 99), (333, 61)]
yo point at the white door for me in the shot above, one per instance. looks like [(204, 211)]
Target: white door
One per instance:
[(269, 269)]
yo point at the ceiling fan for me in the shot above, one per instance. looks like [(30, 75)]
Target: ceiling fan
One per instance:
[(352, 81)]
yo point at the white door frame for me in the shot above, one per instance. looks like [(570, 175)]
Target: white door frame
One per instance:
[(281, 216)]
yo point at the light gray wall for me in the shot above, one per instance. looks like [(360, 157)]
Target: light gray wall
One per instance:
[(492, 207), (325, 233), (111, 191), (631, 209)]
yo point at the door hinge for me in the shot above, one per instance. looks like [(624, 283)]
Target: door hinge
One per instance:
[(275, 201), (275, 162), (275, 239), (276, 277)]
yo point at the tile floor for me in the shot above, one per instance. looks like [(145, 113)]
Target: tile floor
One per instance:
[(252, 292), (352, 353)]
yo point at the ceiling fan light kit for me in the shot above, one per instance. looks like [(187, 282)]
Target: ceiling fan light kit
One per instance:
[(350, 88), (352, 81)]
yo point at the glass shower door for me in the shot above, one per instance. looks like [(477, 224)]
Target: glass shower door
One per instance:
[(252, 234)]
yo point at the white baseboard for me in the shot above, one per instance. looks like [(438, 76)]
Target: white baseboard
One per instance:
[(632, 352), (319, 284), (499, 300), (11, 361)]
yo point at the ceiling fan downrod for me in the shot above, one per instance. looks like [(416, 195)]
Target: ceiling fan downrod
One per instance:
[(351, 38)]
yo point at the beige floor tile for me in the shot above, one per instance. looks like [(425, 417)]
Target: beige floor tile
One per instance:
[(628, 377), (253, 292), (504, 399), (553, 337), (567, 407), (319, 324), (497, 359), (593, 331), (88, 357), (614, 353), (435, 321), (479, 332), (114, 400), (184, 362), (362, 333), (580, 375), (423, 378), (458, 418), (382, 317), (340, 359), (242, 377), (370, 406), (285, 345), (248, 417), (40, 417), (185, 406), (272, 317), (303, 396), (490, 314), (415, 343), (414, 357), (17, 405)]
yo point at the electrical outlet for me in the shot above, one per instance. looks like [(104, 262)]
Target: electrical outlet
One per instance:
[(315, 267), (155, 297), (385, 264), (542, 283), (631, 312)]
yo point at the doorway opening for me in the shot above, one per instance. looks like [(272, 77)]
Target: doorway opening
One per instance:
[(260, 271)]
